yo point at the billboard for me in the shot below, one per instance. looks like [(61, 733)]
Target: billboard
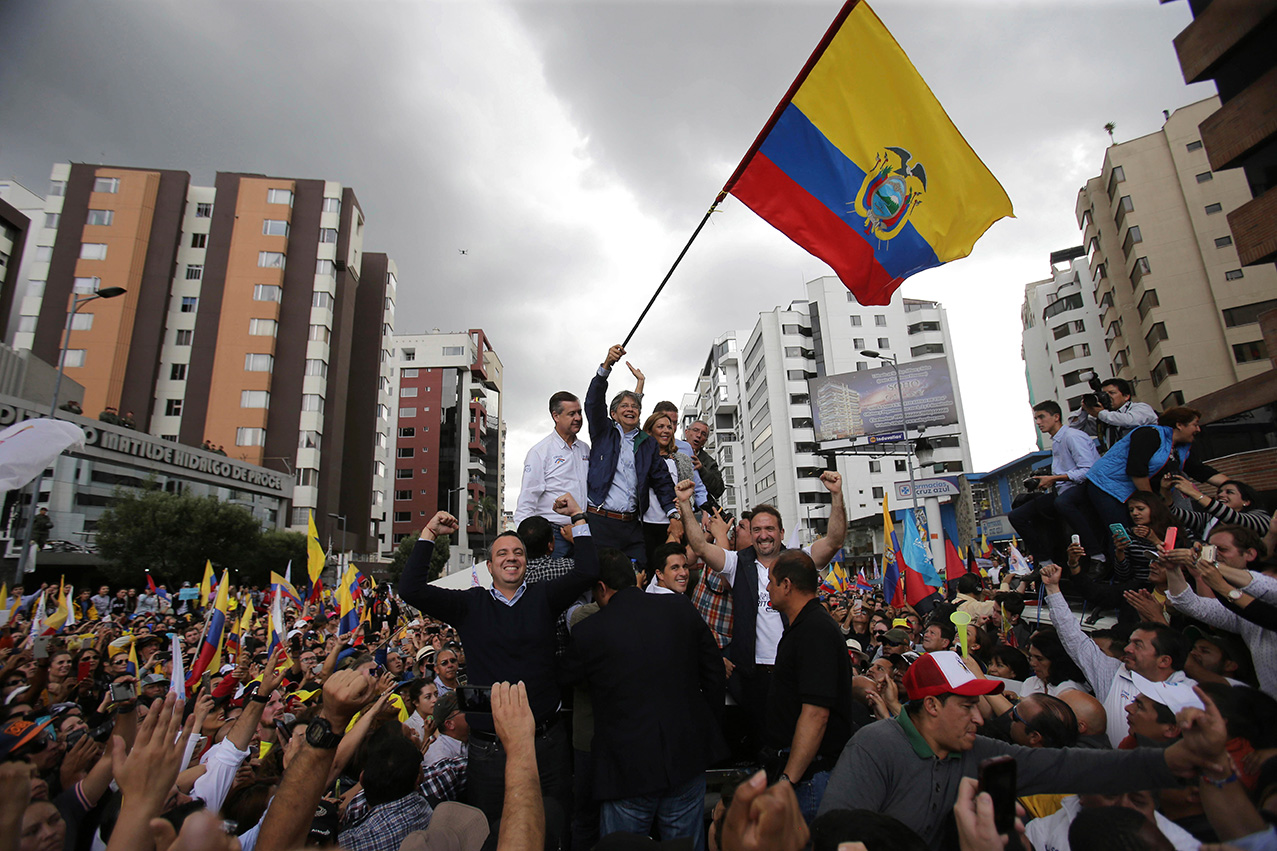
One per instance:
[(855, 404)]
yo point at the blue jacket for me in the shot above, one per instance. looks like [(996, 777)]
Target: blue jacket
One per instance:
[(1111, 474), (605, 444)]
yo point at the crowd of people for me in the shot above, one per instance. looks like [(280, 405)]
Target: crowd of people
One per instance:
[(645, 667)]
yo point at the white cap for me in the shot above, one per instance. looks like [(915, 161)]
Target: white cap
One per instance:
[(1174, 696)]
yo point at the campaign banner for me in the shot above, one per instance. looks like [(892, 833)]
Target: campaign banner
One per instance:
[(855, 404)]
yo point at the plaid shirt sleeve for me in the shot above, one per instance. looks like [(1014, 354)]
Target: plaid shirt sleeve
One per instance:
[(444, 780), (543, 570), (712, 597)]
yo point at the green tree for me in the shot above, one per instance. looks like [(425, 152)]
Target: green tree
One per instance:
[(274, 551), (173, 534), (399, 561)]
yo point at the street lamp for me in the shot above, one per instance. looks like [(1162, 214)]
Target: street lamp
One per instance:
[(341, 519), (77, 302), (904, 422)]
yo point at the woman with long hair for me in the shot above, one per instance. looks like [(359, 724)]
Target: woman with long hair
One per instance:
[(1149, 521), (1053, 669), (656, 526)]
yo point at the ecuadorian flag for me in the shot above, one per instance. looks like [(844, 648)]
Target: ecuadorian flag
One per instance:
[(860, 165)]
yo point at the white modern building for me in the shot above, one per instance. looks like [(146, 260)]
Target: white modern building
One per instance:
[(1063, 339), (753, 392)]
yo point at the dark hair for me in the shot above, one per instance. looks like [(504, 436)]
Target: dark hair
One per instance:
[(1159, 516), (616, 571), (666, 406), (1167, 642), (1123, 386), (1249, 494), (1246, 711), (968, 583), (1178, 416), (1013, 658), (1111, 828), (798, 568), (1051, 407), (537, 535), (397, 765), (878, 831), (766, 509), (1012, 602), (558, 399), (1243, 538), (948, 630), (662, 554), (415, 687), (1047, 642), (1055, 723), (492, 548)]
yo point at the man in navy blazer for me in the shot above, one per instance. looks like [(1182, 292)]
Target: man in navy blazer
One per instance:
[(657, 683), (625, 463)]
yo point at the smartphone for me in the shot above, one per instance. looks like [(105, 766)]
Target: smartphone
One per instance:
[(85, 670), (997, 777), (1119, 531), (1209, 551), (40, 647), (122, 692), (1169, 540), (206, 682), (474, 699), (1077, 539)]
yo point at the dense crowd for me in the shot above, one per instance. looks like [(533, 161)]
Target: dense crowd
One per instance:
[(645, 667)]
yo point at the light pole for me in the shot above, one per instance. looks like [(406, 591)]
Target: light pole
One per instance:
[(341, 519), (77, 302), (904, 422)]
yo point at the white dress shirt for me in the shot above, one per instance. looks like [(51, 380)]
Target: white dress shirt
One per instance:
[(551, 469)]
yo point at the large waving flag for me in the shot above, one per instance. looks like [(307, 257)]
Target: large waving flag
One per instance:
[(347, 596), (916, 549), (280, 586), (276, 625), (1017, 563), (893, 560), (206, 585), (954, 568), (177, 679), (863, 584), (314, 550), (860, 165), (211, 646)]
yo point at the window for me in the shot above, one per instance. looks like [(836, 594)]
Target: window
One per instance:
[(920, 327), (878, 493), (1194, 146), (270, 259), (87, 285), (799, 374), (267, 292), (407, 412), (901, 466), (453, 351), (95, 217), (93, 251), (1247, 314), (1075, 377), (107, 184), (1173, 400), (332, 205), (323, 300), (199, 240), (403, 495), (1118, 176), (1250, 352), (279, 196), (315, 366), (1212, 209), (189, 304), (409, 355), (861, 366), (262, 327), (1124, 206), (1133, 236), (319, 333), (880, 320), (26, 324), (177, 372), (250, 437), (884, 343), (58, 188), (1140, 269), (1068, 328), (308, 439), (307, 477), (405, 452), (1155, 335), (203, 211), (74, 357), (312, 402), (1234, 275), (1223, 242), (408, 431), (173, 407), (1205, 177), (1069, 302), (408, 373), (274, 227), (327, 234), (403, 473), (403, 516), (875, 466), (254, 399), (1147, 303), (1164, 369), (183, 336), (194, 272), (35, 288), (858, 343), (855, 320), (407, 392), (82, 322), (927, 349), (327, 268), (258, 363)]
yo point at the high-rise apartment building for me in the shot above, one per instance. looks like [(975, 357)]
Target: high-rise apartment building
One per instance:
[(449, 438), (1062, 342), (754, 394), (252, 319), (1180, 313), (21, 211)]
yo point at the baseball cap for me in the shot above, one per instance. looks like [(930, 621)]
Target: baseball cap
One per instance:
[(154, 680), (853, 646), (453, 827), (1174, 696), (895, 637), (18, 733), (942, 672)]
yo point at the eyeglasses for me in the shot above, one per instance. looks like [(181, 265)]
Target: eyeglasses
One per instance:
[(1016, 716)]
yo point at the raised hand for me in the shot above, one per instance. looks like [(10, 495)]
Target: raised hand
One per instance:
[(1146, 604), (147, 773), (512, 715), (273, 676), (832, 481), (764, 818), (442, 523), (345, 693), (614, 354), (684, 491), (566, 505), (635, 371), (1050, 574)]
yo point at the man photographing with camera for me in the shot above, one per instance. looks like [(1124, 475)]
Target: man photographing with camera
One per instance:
[(1118, 415)]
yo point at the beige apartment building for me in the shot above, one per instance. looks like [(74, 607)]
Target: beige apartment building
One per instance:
[(1180, 313)]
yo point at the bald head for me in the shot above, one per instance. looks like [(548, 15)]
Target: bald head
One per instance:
[(1092, 720)]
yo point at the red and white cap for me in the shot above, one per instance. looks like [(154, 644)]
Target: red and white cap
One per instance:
[(942, 672)]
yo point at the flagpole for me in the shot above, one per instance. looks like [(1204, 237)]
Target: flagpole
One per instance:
[(670, 273)]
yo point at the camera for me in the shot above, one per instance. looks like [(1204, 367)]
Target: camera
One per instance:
[(1030, 484), (122, 692)]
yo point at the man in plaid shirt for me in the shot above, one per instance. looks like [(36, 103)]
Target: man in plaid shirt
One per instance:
[(538, 541)]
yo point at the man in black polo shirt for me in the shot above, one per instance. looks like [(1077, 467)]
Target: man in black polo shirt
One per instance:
[(809, 704), (508, 633)]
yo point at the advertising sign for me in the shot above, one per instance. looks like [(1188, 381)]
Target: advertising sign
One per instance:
[(940, 487), (855, 404)]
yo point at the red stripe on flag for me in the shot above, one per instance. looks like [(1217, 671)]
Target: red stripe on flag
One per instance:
[(785, 205)]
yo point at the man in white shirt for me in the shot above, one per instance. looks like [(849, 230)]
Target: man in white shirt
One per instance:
[(555, 466), (1122, 415), (669, 569)]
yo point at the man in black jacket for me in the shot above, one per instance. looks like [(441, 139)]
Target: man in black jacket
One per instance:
[(655, 705)]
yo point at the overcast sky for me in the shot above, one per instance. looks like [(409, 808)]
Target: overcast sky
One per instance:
[(571, 148)]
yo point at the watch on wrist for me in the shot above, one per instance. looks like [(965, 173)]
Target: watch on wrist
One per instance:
[(319, 734), (785, 777), (577, 518), (1235, 594)]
